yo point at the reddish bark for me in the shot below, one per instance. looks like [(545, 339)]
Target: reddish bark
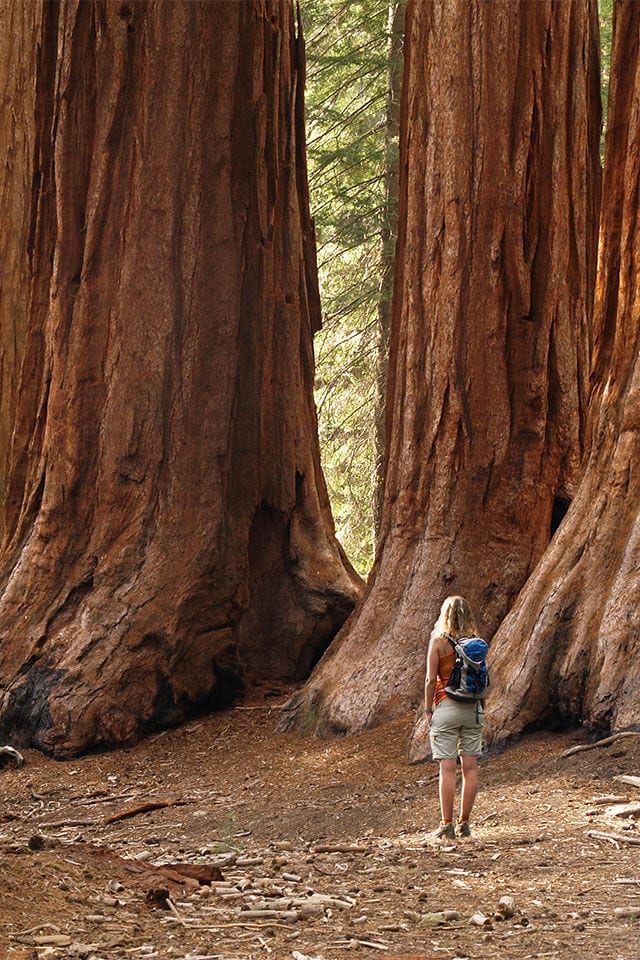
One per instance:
[(168, 532), (17, 91), (490, 339), (389, 236), (570, 649)]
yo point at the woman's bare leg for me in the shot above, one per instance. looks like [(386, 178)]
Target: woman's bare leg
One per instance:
[(469, 785), (447, 788)]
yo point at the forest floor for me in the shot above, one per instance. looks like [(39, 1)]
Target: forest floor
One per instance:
[(304, 848)]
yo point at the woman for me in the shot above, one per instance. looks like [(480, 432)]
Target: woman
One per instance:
[(455, 727)]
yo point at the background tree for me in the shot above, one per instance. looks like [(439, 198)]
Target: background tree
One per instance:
[(168, 533), (570, 649), (353, 83), (605, 8), (490, 344)]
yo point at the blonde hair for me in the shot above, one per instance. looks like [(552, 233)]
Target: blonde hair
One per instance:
[(455, 620)]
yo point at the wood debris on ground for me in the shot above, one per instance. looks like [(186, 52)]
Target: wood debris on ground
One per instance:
[(264, 846)]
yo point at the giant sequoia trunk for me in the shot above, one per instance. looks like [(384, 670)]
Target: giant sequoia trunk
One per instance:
[(168, 535), (491, 333), (570, 649), (17, 90), (389, 236)]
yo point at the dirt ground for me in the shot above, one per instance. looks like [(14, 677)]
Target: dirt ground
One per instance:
[(310, 849)]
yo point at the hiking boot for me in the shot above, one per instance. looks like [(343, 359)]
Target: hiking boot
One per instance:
[(445, 832), (463, 829)]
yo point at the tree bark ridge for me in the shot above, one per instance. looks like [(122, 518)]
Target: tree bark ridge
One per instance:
[(574, 630), (168, 536), (491, 334)]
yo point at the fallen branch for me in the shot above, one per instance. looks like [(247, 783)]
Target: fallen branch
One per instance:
[(633, 781), (614, 838), (54, 940), (143, 808), (602, 801), (624, 810), (599, 743), (287, 915)]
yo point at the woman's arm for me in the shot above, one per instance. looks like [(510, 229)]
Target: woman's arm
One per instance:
[(433, 662)]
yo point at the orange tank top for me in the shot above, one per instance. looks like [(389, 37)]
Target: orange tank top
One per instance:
[(445, 667)]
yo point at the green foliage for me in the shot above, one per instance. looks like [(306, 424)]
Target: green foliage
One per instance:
[(605, 9), (347, 64)]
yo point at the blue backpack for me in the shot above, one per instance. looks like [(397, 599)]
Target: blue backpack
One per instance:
[(469, 677)]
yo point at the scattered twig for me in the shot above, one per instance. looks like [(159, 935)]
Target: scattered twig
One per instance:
[(48, 940), (174, 910), (603, 801), (212, 928), (339, 848), (430, 779), (363, 943), (57, 824), (271, 914), (627, 911), (631, 810), (596, 886), (614, 838), (38, 926), (624, 778), (109, 798)]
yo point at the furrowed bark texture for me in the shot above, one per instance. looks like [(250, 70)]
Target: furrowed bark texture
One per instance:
[(570, 649), (389, 237), (168, 533), (490, 341), (17, 90)]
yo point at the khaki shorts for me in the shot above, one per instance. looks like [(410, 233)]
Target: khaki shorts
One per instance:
[(456, 729)]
